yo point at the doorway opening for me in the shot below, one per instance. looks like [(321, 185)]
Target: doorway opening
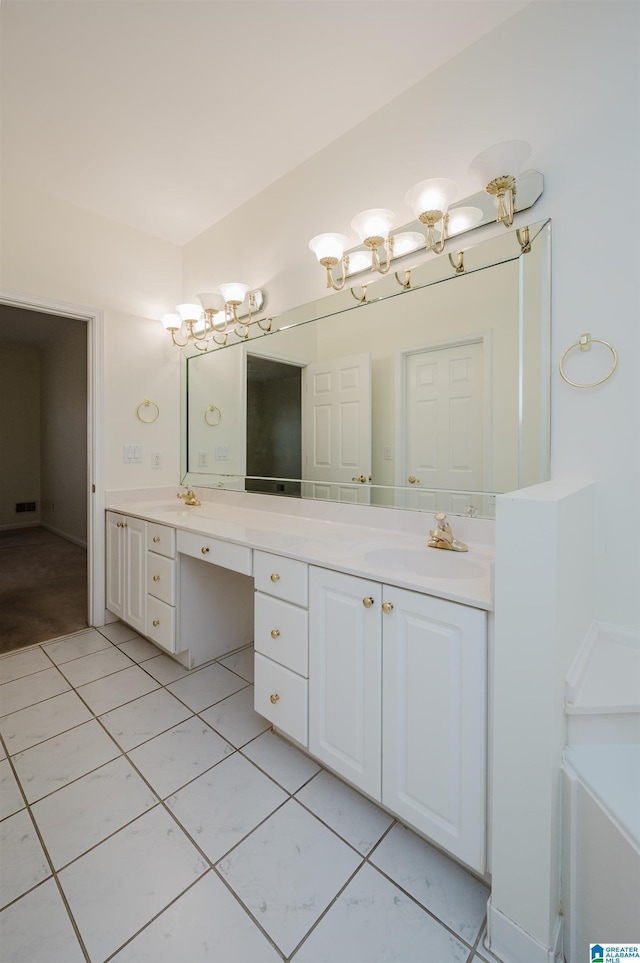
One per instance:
[(47, 522)]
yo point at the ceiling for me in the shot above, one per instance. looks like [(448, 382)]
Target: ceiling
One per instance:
[(166, 115)]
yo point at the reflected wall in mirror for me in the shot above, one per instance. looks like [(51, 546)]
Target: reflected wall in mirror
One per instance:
[(434, 398)]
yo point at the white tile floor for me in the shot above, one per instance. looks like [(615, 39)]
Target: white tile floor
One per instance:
[(148, 814)]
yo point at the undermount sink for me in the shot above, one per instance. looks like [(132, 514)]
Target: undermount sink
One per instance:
[(432, 563)]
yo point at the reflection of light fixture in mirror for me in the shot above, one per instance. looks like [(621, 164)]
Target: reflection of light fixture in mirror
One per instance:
[(496, 169), (329, 249), (463, 219), (216, 316), (372, 227), (406, 242), (429, 200), (359, 261)]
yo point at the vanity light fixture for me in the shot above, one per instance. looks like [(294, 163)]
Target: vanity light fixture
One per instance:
[(218, 315), (429, 200), (496, 170)]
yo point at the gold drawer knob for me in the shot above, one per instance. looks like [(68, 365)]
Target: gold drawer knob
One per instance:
[(413, 480), (156, 539), (275, 577), (275, 633), (274, 697), (387, 607), (367, 602), (204, 549), (156, 623), (118, 524), (156, 578)]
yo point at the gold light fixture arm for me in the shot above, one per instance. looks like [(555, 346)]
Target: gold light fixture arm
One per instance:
[(458, 263), (362, 297), (329, 263), (501, 188), (524, 240), (405, 282)]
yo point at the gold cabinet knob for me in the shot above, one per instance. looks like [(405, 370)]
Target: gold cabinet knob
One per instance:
[(156, 622), (274, 697), (412, 480), (275, 633), (118, 524), (156, 539), (156, 578), (387, 607), (205, 549), (275, 577), (367, 602)]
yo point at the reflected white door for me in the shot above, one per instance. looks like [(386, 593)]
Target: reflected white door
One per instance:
[(444, 427), (336, 429)]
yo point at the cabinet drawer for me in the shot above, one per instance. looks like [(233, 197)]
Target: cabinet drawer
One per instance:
[(281, 632), (161, 539), (161, 577), (161, 623), (215, 551), (281, 696), (283, 577)]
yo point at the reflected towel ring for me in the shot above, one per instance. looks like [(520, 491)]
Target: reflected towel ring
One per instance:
[(584, 343), (210, 413), (147, 404)]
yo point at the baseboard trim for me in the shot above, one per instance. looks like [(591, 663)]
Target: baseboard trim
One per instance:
[(65, 535), (511, 944)]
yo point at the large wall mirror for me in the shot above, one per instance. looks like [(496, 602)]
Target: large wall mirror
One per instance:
[(433, 397)]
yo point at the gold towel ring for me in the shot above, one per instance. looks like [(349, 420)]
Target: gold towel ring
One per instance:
[(147, 404), (584, 342), (210, 412)]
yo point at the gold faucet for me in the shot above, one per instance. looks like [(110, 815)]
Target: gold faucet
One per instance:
[(189, 497), (442, 536)]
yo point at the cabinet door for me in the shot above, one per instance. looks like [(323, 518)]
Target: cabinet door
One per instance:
[(344, 676), (115, 565), (434, 734), (135, 591)]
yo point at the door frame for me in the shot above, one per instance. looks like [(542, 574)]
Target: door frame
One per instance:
[(485, 339), (94, 318)]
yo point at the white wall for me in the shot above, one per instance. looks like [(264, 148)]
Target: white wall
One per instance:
[(54, 251), (563, 76)]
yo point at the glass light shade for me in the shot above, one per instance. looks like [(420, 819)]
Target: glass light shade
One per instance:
[(233, 291), (171, 322), (213, 302), (463, 219), (189, 312), (434, 194), (376, 222), (507, 158), (407, 242), (328, 245), (360, 261)]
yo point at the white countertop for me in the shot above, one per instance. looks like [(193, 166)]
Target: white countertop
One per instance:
[(395, 557)]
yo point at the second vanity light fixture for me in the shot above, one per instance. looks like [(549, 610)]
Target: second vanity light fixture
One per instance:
[(230, 310), (496, 170)]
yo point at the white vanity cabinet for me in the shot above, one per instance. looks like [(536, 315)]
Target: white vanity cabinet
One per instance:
[(281, 643), (397, 703), (126, 588)]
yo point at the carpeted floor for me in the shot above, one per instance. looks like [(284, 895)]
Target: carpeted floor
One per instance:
[(43, 587)]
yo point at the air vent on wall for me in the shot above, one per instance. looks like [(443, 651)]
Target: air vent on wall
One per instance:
[(25, 506)]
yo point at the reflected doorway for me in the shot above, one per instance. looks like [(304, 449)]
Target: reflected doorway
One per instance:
[(274, 426)]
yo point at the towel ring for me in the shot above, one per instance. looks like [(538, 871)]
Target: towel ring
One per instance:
[(584, 342), (210, 413), (147, 404)]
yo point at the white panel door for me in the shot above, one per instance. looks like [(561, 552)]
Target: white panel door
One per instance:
[(434, 720), (344, 676), (336, 429), (444, 425)]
